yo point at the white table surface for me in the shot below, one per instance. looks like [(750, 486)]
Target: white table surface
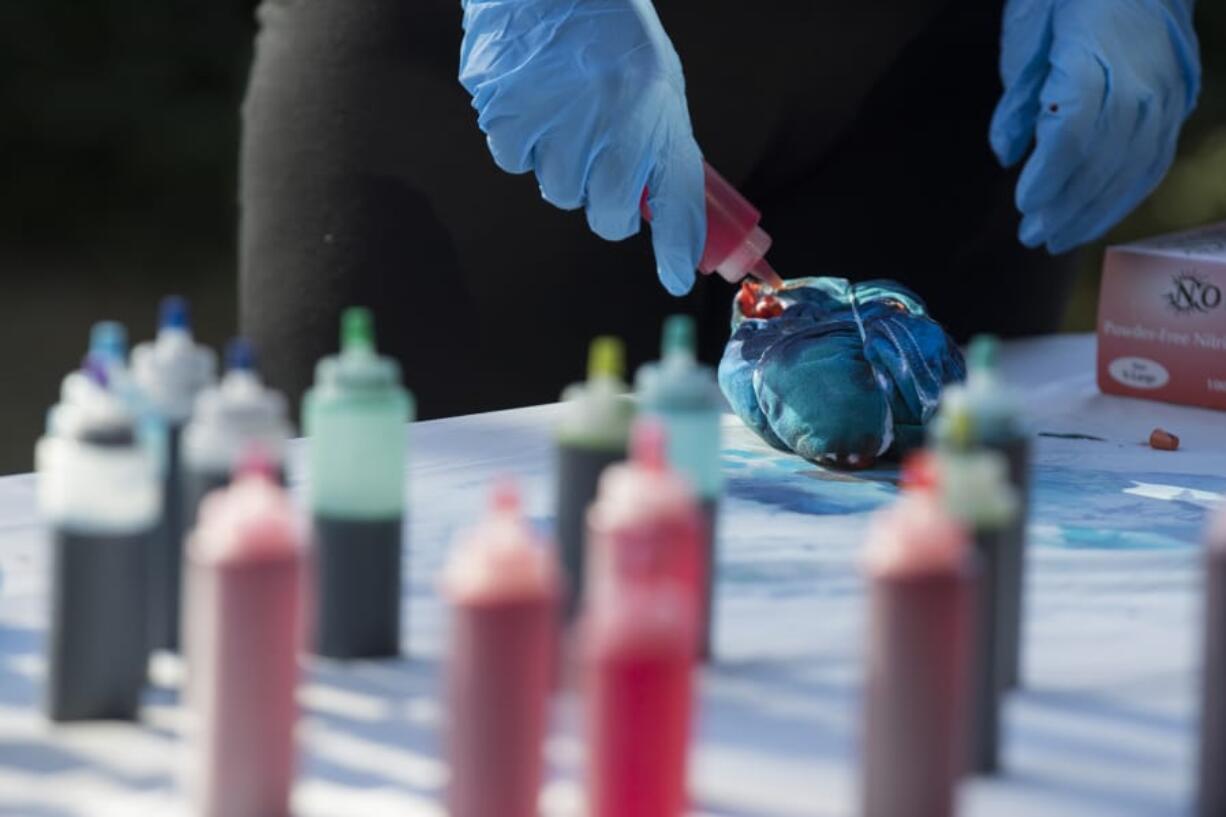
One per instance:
[(1104, 726)]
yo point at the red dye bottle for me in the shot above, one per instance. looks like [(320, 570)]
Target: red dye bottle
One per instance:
[(243, 630), (922, 584), (645, 523), (736, 244), (638, 686), (505, 591), (641, 612)]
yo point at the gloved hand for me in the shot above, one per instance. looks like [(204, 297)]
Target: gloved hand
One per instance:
[(589, 95), (1101, 87)]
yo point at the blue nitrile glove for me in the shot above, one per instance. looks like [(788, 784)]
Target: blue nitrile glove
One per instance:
[(589, 95), (1101, 88)]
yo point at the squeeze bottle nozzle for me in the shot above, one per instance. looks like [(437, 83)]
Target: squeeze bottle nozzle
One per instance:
[(736, 246), (108, 340), (240, 356), (983, 353), (173, 313), (679, 337), (606, 358), (357, 330)]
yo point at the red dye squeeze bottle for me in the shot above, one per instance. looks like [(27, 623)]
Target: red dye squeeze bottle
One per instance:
[(504, 587), (243, 629), (640, 637), (645, 520), (922, 580), (736, 243)]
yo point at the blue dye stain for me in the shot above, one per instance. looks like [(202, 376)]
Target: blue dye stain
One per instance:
[(797, 499), (1105, 539), (1091, 509), (1075, 508), (747, 454)]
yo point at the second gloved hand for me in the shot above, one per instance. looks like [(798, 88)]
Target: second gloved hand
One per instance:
[(1101, 89), (589, 95)]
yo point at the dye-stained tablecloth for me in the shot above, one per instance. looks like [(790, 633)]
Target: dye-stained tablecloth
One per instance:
[(1104, 725)]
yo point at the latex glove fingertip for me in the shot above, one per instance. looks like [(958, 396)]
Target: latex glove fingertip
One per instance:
[(1008, 138), (611, 226), (1032, 232), (675, 275), (676, 263)]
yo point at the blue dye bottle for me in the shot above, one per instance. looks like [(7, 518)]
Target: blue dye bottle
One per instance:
[(169, 372), (230, 419), (685, 397)]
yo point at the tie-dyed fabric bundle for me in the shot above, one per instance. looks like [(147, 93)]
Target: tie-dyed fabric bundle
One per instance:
[(839, 373)]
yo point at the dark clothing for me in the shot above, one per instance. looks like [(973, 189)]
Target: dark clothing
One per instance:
[(859, 129)]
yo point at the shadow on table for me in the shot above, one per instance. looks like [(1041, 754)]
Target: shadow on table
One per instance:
[(373, 723), (17, 689), (24, 744), (26, 809), (1119, 798), (1095, 749), (1088, 705), (795, 709)]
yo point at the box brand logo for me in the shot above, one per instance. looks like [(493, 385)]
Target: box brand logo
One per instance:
[(1139, 372), (1191, 295)]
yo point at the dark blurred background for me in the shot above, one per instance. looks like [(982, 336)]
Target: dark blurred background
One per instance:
[(118, 140)]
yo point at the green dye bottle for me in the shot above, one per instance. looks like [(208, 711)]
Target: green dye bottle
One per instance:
[(594, 434), (986, 414), (684, 396), (355, 418), (974, 488)]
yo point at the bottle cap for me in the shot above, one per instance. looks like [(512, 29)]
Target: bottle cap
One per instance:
[(915, 536), (975, 489), (240, 356), (502, 558), (679, 336), (357, 330), (109, 341), (606, 358), (983, 353), (174, 313)]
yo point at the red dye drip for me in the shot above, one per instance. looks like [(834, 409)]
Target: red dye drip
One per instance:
[(754, 304)]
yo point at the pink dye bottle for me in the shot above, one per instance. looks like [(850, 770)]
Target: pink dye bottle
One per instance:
[(641, 612), (922, 579), (736, 243), (645, 522), (242, 632), (504, 587)]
